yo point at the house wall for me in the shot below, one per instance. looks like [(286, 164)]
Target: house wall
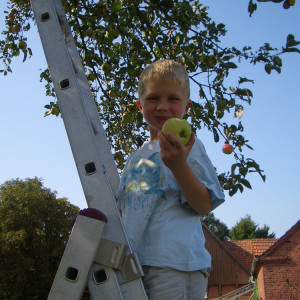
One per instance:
[(279, 276), (228, 273), (260, 284), (227, 270), (215, 291)]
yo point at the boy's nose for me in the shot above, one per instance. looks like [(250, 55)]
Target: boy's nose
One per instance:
[(162, 105)]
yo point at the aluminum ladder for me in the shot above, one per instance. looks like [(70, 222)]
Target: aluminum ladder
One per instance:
[(97, 254), (238, 292)]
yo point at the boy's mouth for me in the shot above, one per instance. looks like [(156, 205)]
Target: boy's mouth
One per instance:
[(162, 119)]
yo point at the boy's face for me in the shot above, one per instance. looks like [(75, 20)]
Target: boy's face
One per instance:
[(161, 101)]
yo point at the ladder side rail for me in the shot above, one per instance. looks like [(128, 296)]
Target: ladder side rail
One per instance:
[(71, 277), (81, 135), (100, 135), (96, 288)]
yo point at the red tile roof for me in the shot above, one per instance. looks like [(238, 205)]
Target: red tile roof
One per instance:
[(270, 251), (280, 241), (247, 250)]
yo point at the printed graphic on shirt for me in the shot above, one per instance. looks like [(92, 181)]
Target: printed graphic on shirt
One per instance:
[(141, 186)]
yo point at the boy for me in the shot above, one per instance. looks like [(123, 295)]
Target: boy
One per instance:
[(164, 189)]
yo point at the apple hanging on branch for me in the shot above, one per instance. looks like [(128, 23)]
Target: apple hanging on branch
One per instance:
[(227, 149), (180, 127)]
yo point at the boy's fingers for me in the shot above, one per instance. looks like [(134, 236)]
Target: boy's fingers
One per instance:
[(161, 137), (172, 138), (162, 140), (191, 141), (175, 141)]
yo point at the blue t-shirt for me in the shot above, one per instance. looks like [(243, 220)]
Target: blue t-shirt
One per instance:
[(161, 227)]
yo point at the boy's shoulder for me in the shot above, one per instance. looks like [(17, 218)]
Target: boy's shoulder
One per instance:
[(198, 148), (147, 149)]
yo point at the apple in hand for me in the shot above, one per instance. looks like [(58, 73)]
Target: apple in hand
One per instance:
[(227, 149), (181, 128)]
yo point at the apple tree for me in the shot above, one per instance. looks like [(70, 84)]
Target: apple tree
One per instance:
[(117, 39), (34, 230), (215, 225), (246, 228)]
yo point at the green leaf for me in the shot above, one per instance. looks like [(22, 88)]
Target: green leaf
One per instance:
[(244, 92), (116, 6), (251, 7), (233, 167), (243, 171), (230, 65), (240, 187), (246, 183), (216, 135), (268, 68), (291, 50), (292, 43), (244, 79), (290, 37), (277, 61), (232, 191)]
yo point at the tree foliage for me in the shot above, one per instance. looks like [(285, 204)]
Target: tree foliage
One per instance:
[(252, 6), (246, 228), (34, 229), (117, 39), (219, 228)]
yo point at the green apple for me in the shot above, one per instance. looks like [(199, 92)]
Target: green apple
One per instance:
[(22, 45), (106, 68), (181, 128)]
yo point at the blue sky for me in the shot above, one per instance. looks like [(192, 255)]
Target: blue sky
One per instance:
[(32, 145)]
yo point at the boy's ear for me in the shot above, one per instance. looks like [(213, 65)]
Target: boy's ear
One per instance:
[(139, 105), (187, 107)]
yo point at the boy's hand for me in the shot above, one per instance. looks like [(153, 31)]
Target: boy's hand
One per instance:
[(173, 153)]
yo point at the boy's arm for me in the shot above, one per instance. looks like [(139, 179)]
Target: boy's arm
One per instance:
[(174, 155)]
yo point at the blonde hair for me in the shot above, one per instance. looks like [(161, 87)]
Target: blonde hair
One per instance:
[(165, 69)]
